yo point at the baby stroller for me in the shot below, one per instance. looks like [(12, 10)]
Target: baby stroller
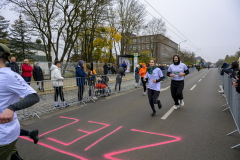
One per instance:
[(102, 87)]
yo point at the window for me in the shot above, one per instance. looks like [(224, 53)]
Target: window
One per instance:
[(143, 46), (130, 47), (147, 46), (134, 40), (134, 47), (143, 39), (139, 40), (152, 46), (139, 47), (147, 39), (152, 38)]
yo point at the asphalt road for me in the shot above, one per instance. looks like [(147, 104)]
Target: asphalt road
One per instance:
[(121, 127)]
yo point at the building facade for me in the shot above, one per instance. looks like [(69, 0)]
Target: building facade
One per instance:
[(158, 46)]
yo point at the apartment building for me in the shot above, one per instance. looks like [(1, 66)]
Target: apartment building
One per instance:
[(158, 46)]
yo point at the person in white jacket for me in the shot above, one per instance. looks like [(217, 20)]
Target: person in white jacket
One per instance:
[(57, 82)]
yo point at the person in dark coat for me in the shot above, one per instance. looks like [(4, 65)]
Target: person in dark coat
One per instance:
[(13, 65), (80, 78), (121, 72), (235, 69), (38, 76), (137, 76), (226, 69), (105, 67)]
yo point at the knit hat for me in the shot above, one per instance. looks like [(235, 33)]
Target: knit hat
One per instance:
[(225, 64), (80, 63)]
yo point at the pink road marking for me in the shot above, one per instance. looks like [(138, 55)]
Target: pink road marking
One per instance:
[(109, 155), (88, 133), (76, 120), (102, 138), (55, 149)]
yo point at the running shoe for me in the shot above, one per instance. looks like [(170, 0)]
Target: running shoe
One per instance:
[(34, 136), (144, 93), (57, 106), (182, 102), (66, 105), (153, 114), (159, 104), (176, 107)]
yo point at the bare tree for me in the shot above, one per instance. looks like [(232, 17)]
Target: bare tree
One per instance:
[(130, 15), (58, 20)]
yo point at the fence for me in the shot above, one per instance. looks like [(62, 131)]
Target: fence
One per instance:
[(67, 68), (69, 91), (232, 98)]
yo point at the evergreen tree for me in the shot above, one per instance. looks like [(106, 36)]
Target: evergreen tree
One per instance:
[(4, 24), (20, 42)]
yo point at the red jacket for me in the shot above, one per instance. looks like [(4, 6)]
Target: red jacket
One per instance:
[(26, 70)]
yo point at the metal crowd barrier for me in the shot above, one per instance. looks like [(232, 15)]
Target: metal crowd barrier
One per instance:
[(69, 91), (232, 98)]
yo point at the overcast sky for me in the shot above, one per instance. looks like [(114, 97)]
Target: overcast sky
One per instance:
[(212, 25)]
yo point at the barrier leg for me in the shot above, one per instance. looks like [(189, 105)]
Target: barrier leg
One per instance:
[(37, 115), (232, 132), (235, 146), (225, 109), (82, 102)]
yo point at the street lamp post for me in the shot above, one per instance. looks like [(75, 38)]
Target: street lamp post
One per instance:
[(179, 46)]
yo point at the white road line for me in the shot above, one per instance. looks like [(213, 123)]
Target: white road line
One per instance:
[(193, 87), (200, 80), (168, 113), (164, 89), (203, 76)]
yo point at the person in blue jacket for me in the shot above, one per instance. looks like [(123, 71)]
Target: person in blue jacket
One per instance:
[(137, 76), (80, 78)]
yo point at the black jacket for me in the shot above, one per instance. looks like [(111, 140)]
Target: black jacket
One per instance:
[(226, 69), (105, 69), (38, 74), (14, 67)]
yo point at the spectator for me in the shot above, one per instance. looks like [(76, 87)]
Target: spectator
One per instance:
[(235, 69), (124, 64), (226, 69), (113, 69), (105, 69), (27, 71), (38, 76), (121, 72), (80, 77), (91, 82), (57, 82), (162, 68), (137, 76), (109, 70), (13, 65)]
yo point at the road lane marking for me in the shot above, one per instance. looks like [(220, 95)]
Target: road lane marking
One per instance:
[(200, 80), (164, 89), (203, 76), (193, 87), (168, 113)]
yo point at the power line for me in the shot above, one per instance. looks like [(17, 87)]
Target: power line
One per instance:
[(168, 22), (193, 45)]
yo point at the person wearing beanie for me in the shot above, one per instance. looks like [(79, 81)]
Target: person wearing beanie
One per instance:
[(38, 76), (177, 71), (142, 73), (235, 69), (80, 78), (57, 82), (155, 76), (13, 87), (226, 69)]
